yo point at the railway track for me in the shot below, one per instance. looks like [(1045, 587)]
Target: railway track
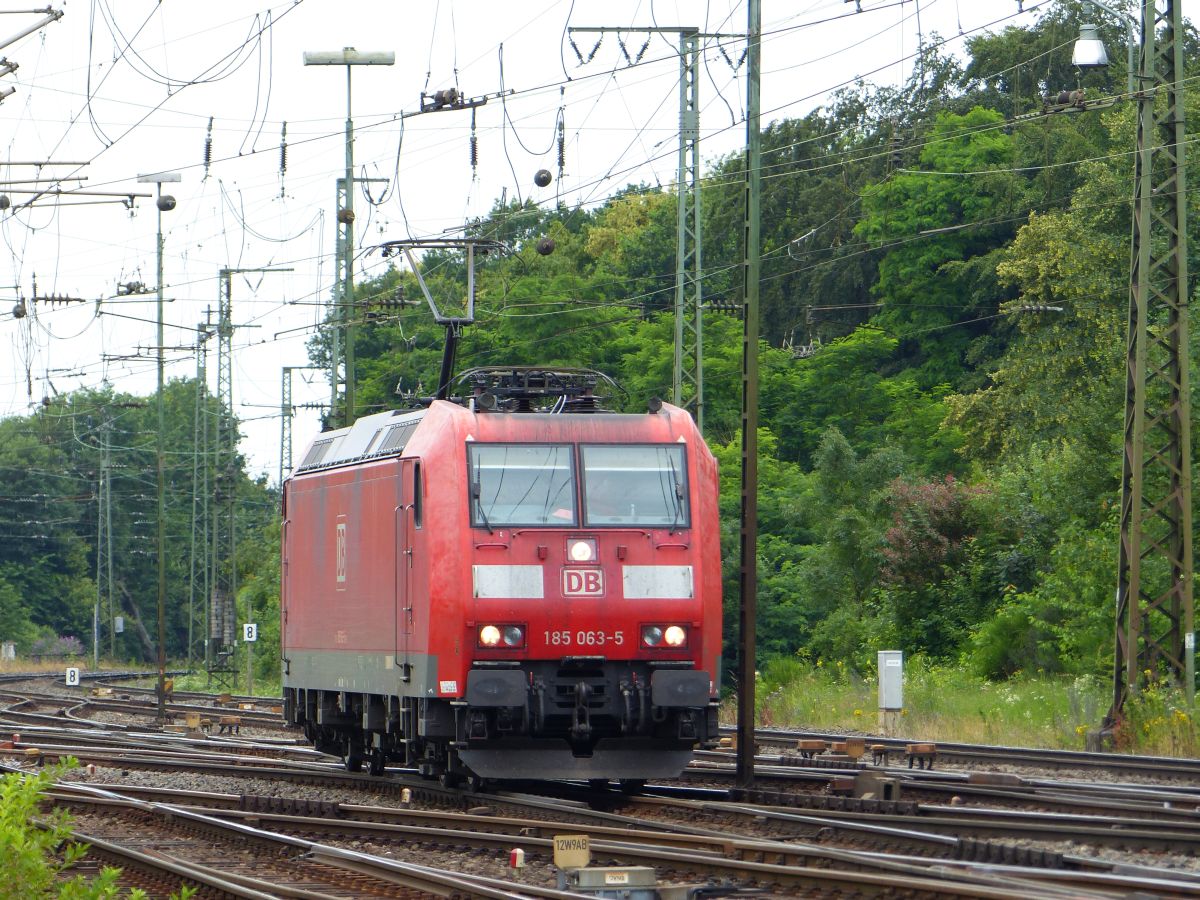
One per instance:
[(230, 858), (959, 753), (776, 867), (923, 834), (1013, 828)]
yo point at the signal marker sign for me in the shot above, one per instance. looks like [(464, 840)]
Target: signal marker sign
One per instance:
[(572, 851)]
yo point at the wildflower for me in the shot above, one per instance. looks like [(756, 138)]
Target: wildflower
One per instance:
[(858, 712)]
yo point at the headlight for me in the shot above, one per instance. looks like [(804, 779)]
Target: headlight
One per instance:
[(664, 635), (582, 550), (501, 635)]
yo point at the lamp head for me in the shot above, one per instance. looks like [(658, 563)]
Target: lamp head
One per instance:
[(1089, 50), (165, 203)]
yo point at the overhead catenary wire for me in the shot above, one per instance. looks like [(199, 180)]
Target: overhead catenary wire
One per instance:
[(613, 170)]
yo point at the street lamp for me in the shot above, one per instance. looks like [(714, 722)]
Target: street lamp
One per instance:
[(1089, 52), (165, 203), (347, 57)]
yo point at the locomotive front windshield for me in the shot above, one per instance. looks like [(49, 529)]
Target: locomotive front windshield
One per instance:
[(641, 485), (635, 485), (514, 484)]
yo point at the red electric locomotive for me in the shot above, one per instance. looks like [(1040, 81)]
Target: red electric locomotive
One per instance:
[(486, 590)]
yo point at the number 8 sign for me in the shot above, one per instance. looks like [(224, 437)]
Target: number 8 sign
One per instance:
[(72, 677), (249, 633)]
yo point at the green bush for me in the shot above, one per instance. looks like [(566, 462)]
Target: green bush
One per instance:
[(36, 849)]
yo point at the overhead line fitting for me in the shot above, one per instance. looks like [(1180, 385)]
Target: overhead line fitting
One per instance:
[(562, 131), (474, 149), (625, 52), (208, 148), (447, 99), (282, 157), (590, 56)]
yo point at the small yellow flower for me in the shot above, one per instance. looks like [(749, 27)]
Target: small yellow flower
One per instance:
[(858, 712)]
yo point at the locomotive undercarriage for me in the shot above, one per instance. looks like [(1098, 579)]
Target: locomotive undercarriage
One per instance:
[(572, 718)]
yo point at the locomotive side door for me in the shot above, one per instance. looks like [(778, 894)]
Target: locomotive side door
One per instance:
[(406, 497)]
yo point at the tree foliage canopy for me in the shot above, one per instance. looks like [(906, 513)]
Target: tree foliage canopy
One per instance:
[(943, 303)]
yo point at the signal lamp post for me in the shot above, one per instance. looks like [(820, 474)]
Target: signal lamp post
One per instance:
[(344, 289), (165, 203), (1089, 51)]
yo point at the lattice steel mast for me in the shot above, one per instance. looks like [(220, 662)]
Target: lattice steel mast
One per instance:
[(687, 386), (688, 383), (1154, 587)]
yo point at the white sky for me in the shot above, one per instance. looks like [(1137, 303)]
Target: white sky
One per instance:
[(82, 95)]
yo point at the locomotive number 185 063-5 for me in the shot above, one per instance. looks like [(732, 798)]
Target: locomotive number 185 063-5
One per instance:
[(567, 638)]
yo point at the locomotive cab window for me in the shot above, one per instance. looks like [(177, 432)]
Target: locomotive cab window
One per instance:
[(516, 484), (635, 485)]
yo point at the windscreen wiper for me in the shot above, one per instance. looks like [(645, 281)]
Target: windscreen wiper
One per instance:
[(677, 493), (475, 493)]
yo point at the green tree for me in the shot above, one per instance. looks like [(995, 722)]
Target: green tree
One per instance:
[(937, 226)]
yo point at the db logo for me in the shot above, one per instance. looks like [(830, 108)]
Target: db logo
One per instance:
[(583, 583)]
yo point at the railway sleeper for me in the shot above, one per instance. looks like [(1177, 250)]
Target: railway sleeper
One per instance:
[(297, 806), (826, 802), (971, 850)]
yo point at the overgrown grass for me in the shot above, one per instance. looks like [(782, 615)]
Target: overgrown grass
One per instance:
[(199, 681), (949, 704), (25, 664)]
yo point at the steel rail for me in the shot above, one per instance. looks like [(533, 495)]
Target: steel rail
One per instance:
[(1160, 765), (420, 877), (228, 883), (889, 877), (132, 741), (978, 880)]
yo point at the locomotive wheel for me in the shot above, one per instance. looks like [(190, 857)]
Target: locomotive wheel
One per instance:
[(376, 762), (353, 761), (449, 780), (473, 783)]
